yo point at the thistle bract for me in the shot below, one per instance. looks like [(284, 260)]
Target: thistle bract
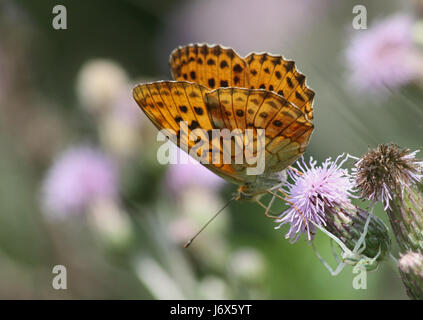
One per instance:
[(392, 175), (348, 224), (384, 172), (411, 270), (406, 215)]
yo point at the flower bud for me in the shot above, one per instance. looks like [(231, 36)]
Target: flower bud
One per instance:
[(348, 224), (393, 176), (411, 270), (406, 213), (383, 173)]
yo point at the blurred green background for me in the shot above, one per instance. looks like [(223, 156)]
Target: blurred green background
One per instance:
[(61, 88)]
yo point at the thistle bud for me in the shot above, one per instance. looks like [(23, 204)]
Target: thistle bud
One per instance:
[(348, 224), (406, 215), (382, 173), (391, 175), (411, 270)]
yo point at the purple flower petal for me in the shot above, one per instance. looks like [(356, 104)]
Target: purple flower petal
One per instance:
[(312, 191)]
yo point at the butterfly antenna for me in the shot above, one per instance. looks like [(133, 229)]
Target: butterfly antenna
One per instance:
[(186, 245)]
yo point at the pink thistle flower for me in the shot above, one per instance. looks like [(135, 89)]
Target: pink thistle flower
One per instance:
[(312, 192), (78, 178)]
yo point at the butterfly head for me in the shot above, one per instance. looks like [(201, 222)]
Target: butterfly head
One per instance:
[(247, 194)]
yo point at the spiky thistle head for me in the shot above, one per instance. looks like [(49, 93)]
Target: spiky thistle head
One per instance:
[(384, 171)]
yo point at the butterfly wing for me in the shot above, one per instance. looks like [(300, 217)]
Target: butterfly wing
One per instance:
[(276, 74), (210, 66), (180, 107), (230, 92), (218, 66), (287, 128)]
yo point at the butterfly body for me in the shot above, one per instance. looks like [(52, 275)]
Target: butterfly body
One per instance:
[(253, 191), (261, 100)]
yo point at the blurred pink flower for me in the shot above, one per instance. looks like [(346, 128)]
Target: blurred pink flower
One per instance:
[(379, 58), (78, 177), (125, 108), (181, 176), (244, 25)]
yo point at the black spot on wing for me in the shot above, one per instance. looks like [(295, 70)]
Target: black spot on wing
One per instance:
[(223, 64), (278, 75), (198, 110), (237, 68), (277, 123), (240, 113)]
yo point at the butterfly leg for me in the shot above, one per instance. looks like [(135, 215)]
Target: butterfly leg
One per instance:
[(266, 213), (296, 170), (289, 202), (267, 208), (284, 194)]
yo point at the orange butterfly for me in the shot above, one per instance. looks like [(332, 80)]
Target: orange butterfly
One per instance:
[(215, 88)]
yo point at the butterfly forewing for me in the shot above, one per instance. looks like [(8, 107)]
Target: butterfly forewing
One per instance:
[(180, 105)]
